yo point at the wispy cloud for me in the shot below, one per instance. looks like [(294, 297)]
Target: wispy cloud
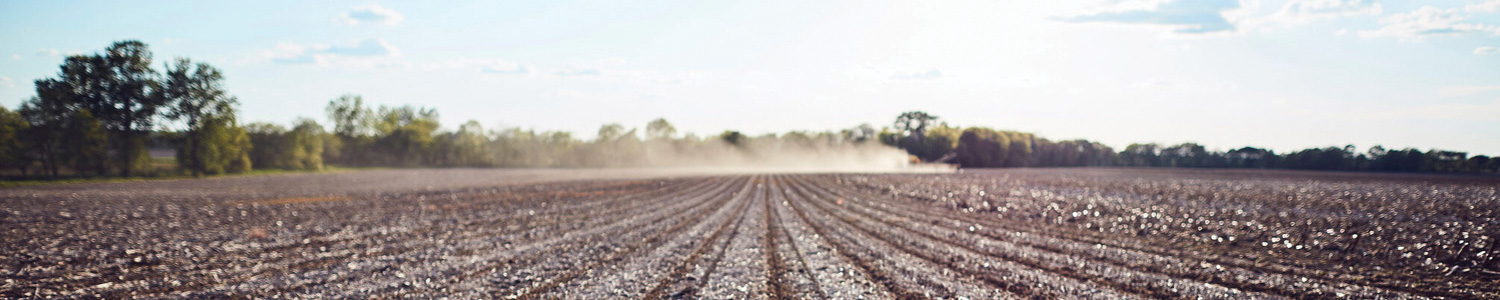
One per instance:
[(370, 14), (1427, 21), (1486, 50), (367, 47), (1182, 16), (1483, 7), (323, 54), (1301, 12), (5, 82), (15, 56), (48, 52)]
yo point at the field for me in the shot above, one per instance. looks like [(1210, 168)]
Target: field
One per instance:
[(977, 234)]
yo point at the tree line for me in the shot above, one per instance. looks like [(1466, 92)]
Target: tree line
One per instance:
[(926, 138), (407, 136), (104, 112)]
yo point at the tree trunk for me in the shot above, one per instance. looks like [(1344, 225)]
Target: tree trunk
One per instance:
[(195, 165), (127, 146)]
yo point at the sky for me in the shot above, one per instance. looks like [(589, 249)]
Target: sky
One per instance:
[(1284, 75)]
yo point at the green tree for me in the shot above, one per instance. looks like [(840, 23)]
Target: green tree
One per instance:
[(1141, 155), (353, 133), (119, 87), (198, 99), (222, 147), (47, 118), (306, 143), (469, 146), (405, 134), (915, 123), (660, 129), (859, 134), (269, 149), (732, 137), (981, 148), (13, 146), (83, 144), (350, 116)]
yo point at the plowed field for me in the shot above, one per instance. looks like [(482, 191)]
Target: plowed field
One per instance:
[(987, 234)]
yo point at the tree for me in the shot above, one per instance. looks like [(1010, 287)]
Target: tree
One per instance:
[(198, 100), (659, 129), (306, 145), (269, 147), (131, 101), (1185, 155), (405, 134), (1250, 157), (349, 115), (221, 146), (732, 137), (469, 146), (981, 148), (353, 133), (1141, 155), (915, 123), (610, 132), (83, 144), (47, 116), (119, 87), (13, 142), (860, 134)]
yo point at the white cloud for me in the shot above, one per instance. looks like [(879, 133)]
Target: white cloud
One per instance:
[(919, 75), (370, 14), (1182, 16), (1483, 7), (5, 82), (367, 47), (1301, 12), (48, 52), (15, 56), (1427, 21), (361, 52), (1486, 50)]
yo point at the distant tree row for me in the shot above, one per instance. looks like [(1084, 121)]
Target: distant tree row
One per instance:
[(409, 136), (929, 140), (103, 114), (103, 110)]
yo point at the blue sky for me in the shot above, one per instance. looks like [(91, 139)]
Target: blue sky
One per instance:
[(1280, 74)]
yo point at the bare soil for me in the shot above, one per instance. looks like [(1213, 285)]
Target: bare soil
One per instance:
[(559, 234)]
